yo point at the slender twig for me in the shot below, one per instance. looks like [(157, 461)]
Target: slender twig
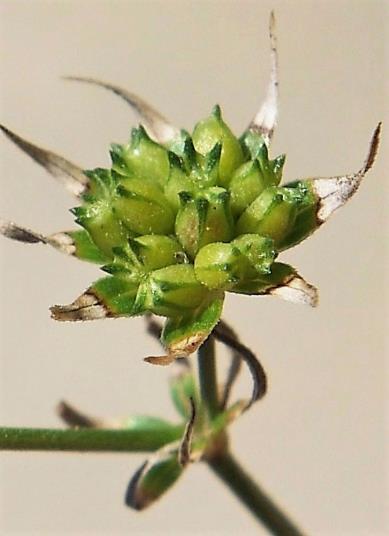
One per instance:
[(207, 376), (252, 496), (87, 439)]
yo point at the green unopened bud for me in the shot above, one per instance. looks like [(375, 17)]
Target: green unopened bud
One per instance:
[(211, 131), (204, 219), (272, 214), (105, 229), (246, 185), (146, 159), (156, 251), (170, 291), (221, 266), (142, 207), (153, 479), (177, 182)]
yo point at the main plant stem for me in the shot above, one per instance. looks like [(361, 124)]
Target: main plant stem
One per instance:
[(224, 464), (86, 440), (207, 376)]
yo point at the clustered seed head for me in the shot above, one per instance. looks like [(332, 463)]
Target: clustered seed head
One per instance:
[(179, 224), (180, 219)]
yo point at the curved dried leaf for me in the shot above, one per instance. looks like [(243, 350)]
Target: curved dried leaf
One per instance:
[(156, 124), (75, 243), (71, 176), (333, 192), (265, 120)]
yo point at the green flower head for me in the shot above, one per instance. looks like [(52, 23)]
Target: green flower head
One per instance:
[(181, 218)]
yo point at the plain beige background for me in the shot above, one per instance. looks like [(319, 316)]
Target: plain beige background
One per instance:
[(317, 442)]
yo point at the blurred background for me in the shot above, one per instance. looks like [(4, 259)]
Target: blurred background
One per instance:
[(317, 442)]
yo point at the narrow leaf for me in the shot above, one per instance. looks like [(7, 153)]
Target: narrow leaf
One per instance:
[(254, 366)]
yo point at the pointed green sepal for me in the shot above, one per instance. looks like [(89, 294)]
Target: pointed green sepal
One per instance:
[(101, 183), (119, 164), (277, 166), (177, 183), (189, 154), (175, 161), (212, 160)]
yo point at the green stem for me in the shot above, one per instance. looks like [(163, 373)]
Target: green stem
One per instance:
[(83, 440), (207, 376), (252, 496)]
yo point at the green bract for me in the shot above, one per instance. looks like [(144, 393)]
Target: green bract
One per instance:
[(180, 219)]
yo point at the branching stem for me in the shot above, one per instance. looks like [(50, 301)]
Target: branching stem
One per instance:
[(252, 496)]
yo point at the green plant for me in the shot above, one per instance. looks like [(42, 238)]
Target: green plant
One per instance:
[(176, 222)]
